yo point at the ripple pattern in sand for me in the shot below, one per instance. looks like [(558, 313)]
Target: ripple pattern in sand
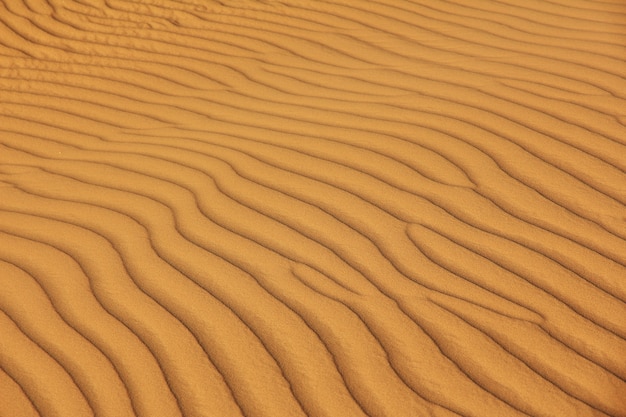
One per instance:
[(312, 208)]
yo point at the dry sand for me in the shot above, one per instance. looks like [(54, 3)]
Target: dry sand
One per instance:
[(312, 208)]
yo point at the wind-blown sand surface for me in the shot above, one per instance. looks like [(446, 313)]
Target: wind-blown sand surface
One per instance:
[(312, 208)]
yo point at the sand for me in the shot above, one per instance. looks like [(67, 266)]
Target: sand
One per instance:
[(270, 208)]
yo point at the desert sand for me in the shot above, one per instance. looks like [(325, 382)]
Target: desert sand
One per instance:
[(264, 208)]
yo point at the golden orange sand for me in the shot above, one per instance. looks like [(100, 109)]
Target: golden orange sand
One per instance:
[(264, 208)]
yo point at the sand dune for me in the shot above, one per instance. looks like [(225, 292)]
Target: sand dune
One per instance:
[(312, 208)]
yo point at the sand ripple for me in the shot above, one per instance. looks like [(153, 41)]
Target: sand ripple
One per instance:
[(312, 208)]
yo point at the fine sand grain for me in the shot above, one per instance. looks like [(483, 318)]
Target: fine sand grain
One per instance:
[(324, 208)]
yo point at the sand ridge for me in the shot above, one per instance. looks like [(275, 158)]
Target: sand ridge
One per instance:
[(312, 208)]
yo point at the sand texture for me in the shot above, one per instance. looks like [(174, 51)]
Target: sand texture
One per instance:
[(323, 208)]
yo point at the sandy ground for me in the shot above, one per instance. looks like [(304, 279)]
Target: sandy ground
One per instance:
[(379, 208)]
